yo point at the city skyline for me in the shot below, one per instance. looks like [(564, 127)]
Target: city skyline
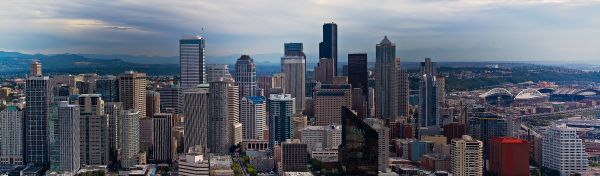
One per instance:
[(443, 30)]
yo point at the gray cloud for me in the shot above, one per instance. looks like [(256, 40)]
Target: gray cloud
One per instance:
[(442, 29)]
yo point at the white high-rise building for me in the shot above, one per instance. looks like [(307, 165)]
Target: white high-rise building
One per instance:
[(129, 130), (383, 133), (294, 69), (466, 156), (11, 136), (64, 137), (192, 59), (563, 151), (253, 117), (321, 137)]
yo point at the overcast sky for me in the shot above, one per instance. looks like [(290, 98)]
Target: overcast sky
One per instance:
[(446, 30)]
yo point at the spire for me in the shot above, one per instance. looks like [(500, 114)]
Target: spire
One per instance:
[(385, 40)]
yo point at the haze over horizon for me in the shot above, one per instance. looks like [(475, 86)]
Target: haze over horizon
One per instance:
[(446, 30)]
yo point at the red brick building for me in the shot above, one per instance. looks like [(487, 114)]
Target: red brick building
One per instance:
[(509, 156)]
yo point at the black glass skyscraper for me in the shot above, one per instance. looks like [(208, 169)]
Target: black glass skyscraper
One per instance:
[(358, 153), (357, 71), (328, 47)]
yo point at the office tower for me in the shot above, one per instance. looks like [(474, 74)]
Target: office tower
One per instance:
[(453, 130), (196, 112), (466, 156), (383, 141), (253, 117), (328, 47), (403, 93), (509, 156), (161, 151), (146, 134), (108, 87), (386, 80), (324, 71), (359, 150), (265, 83), (169, 98), (359, 102), (428, 95), (329, 100), (64, 137), (358, 71), (293, 49), (245, 76), (486, 126), (114, 111), (563, 151), (219, 126), (294, 69), (35, 68), (36, 120), (294, 157), (233, 111), (132, 91), (216, 72), (279, 80), (281, 113), (152, 102), (321, 137), (440, 81), (129, 132), (192, 60), (94, 129), (11, 136), (194, 163), (87, 83)]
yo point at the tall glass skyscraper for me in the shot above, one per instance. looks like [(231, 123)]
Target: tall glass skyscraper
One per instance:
[(36, 121), (358, 75), (328, 47), (281, 123), (386, 68), (428, 95), (191, 61), (245, 76)]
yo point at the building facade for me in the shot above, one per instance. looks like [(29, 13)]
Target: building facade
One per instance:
[(161, 152), (245, 76), (64, 137), (509, 156), (557, 141), (36, 120), (129, 141), (93, 130), (386, 72), (466, 156), (281, 114), (192, 58), (11, 136), (328, 102), (253, 116), (132, 91), (428, 95), (196, 111), (328, 47), (294, 69)]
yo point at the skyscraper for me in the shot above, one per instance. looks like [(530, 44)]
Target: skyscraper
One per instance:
[(359, 150), (132, 91), (152, 102), (324, 71), (253, 117), (11, 136), (93, 130), (35, 68), (108, 87), (386, 69), (233, 111), (161, 152), (216, 72), (329, 100), (114, 111), (466, 156), (509, 156), (328, 47), (245, 76), (36, 121), (192, 60), (563, 151), (428, 95), (383, 140), (265, 83), (281, 114), (219, 126), (64, 137), (129, 130), (294, 69), (403, 93), (293, 49), (169, 98), (358, 75), (196, 112)]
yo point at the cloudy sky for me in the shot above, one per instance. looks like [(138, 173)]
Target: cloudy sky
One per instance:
[(446, 30)]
